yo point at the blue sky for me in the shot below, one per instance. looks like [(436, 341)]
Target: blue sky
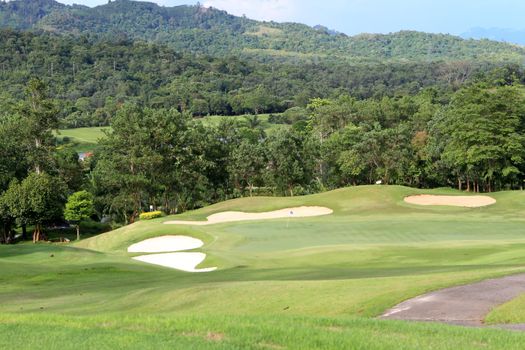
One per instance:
[(374, 16)]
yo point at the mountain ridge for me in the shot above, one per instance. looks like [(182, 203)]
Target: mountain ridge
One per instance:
[(211, 31)]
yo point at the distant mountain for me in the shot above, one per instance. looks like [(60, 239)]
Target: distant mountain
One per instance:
[(498, 34), (210, 31), (27, 14)]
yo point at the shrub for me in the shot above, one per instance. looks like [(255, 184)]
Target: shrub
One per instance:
[(151, 215)]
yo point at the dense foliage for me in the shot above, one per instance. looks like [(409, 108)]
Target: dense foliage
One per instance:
[(90, 80), (474, 140)]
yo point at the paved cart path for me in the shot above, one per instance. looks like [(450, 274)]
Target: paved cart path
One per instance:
[(465, 305)]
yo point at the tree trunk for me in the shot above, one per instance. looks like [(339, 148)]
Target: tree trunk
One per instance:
[(36, 233), (78, 232), (460, 187), (24, 232), (38, 144), (133, 216), (10, 233), (4, 235)]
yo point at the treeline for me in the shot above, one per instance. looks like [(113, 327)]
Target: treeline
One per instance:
[(90, 80), (473, 139)]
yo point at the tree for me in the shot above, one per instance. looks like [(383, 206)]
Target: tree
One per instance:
[(484, 132), (16, 205), (79, 207), (246, 164), (40, 118), (13, 155), (6, 222), (290, 161), (128, 159), (39, 198)]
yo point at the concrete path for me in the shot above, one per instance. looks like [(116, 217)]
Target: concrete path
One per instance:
[(463, 305)]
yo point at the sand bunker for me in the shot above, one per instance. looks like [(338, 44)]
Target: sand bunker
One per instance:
[(456, 201), (180, 261), (165, 244), (232, 216)]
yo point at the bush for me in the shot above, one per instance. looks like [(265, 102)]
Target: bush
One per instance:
[(151, 215)]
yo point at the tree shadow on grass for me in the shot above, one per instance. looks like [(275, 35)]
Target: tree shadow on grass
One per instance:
[(9, 251)]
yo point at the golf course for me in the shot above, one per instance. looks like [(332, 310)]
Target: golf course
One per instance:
[(288, 282)]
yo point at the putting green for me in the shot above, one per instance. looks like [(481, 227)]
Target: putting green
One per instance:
[(330, 275)]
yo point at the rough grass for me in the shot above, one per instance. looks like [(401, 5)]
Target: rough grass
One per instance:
[(284, 283), (245, 332), (510, 313)]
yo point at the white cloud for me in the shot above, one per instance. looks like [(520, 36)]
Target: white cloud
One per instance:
[(277, 10)]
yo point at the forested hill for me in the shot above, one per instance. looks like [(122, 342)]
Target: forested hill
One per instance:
[(210, 31), (92, 78)]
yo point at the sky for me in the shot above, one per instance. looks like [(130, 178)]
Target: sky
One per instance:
[(373, 16)]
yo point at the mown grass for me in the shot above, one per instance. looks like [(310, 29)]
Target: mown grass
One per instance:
[(82, 139), (86, 135), (285, 283), (86, 139)]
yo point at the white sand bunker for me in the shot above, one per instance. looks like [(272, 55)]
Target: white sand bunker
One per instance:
[(165, 244), (456, 201), (232, 216), (180, 261)]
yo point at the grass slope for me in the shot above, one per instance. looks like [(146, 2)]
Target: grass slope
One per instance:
[(298, 283)]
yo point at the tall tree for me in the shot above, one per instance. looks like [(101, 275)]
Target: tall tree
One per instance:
[(246, 164), (127, 161), (485, 136), (290, 161), (39, 118)]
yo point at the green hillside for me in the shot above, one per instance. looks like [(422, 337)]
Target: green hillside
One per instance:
[(207, 30), (326, 278), (92, 79)]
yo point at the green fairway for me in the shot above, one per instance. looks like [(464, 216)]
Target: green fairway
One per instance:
[(82, 139), (286, 283), (86, 139)]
